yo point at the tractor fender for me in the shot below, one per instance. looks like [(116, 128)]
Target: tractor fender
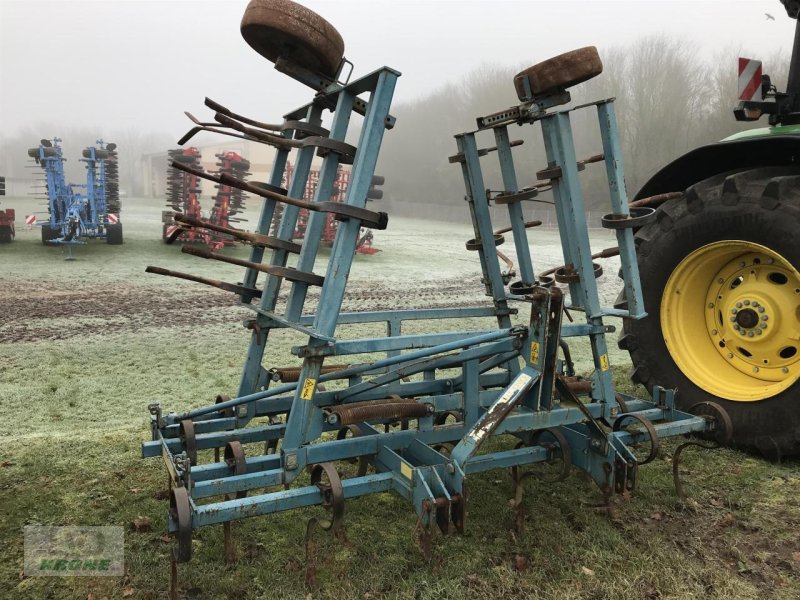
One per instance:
[(713, 159)]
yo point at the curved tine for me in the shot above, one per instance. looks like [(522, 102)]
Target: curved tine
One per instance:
[(195, 130), (196, 121), (189, 135), (216, 107), (266, 137)]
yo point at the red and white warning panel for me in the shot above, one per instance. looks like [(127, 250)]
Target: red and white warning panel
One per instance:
[(750, 80), (112, 218), (30, 220)]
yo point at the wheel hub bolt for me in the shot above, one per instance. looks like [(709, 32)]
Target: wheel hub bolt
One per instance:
[(710, 305), (785, 369), (738, 305), (759, 331), (750, 334), (761, 309), (734, 311), (733, 319), (747, 302), (755, 304), (764, 318), (755, 369), (730, 354)]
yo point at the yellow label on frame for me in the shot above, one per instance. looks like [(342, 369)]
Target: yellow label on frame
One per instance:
[(604, 362), (405, 470), (534, 353), (308, 388)]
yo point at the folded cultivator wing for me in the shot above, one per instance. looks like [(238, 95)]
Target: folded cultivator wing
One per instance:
[(417, 419)]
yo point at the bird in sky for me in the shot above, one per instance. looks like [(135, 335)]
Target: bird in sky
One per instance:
[(769, 17)]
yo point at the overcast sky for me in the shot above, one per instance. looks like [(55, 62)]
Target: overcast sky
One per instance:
[(118, 64)]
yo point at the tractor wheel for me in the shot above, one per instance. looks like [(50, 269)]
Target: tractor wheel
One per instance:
[(114, 234), (48, 233), (284, 29), (719, 270), (559, 72)]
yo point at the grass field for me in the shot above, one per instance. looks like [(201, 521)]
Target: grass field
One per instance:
[(86, 345)]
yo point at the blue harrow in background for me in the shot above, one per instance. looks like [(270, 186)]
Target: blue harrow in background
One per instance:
[(417, 420), (80, 211)]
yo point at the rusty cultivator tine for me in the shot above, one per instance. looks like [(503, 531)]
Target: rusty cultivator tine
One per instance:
[(222, 285)]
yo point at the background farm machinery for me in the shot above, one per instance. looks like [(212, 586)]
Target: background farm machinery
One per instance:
[(414, 412), (7, 231), (72, 215), (364, 245), (184, 199)]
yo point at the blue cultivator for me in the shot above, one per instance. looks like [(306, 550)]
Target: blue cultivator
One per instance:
[(73, 215), (417, 420)]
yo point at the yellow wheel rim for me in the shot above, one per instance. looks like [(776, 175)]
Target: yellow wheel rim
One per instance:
[(730, 315)]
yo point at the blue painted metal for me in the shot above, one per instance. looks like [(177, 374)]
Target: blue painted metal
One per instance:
[(74, 215), (501, 380)]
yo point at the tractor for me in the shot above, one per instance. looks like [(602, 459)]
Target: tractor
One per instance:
[(719, 268)]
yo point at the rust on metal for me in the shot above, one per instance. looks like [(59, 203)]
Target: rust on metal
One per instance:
[(285, 272), (459, 158), (256, 239), (222, 285), (292, 374), (528, 225), (651, 432), (389, 408)]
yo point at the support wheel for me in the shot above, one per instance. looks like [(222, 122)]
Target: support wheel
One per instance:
[(559, 73), (114, 234), (719, 270), (284, 29)]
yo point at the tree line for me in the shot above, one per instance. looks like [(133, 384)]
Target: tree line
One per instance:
[(668, 101)]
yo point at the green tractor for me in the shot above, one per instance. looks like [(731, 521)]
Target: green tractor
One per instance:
[(719, 268)]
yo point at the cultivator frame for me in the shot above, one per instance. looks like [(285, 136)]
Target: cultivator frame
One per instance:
[(420, 416)]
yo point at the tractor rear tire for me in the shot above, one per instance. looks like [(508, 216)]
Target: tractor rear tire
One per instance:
[(114, 234), (284, 29), (719, 271)]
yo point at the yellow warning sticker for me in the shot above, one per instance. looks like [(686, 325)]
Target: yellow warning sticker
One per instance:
[(534, 353), (405, 469), (308, 388), (604, 362)]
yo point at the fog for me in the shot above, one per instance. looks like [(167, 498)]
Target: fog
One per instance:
[(126, 70)]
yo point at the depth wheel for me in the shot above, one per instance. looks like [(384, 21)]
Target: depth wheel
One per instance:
[(719, 270), (284, 29), (559, 73)]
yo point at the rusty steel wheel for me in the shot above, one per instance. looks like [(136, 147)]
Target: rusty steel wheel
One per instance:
[(559, 72), (284, 29)]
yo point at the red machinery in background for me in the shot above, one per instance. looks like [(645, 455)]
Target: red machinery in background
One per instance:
[(183, 197), (6, 218), (340, 185), (229, 201)]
